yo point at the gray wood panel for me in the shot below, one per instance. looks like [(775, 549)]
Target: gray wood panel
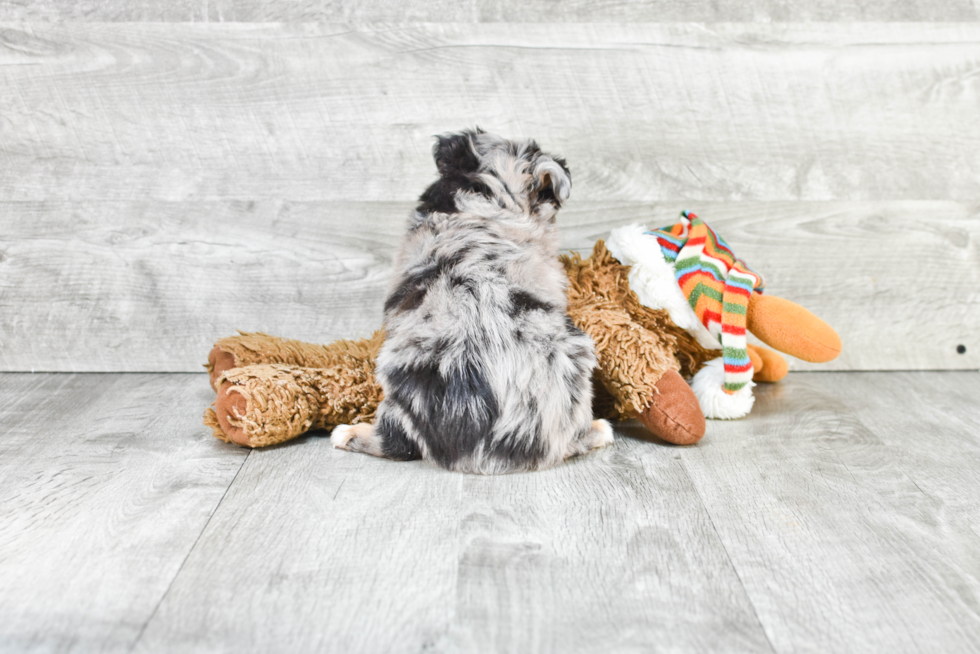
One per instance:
[(837, 544), (643, 112), (316, 549), (509, 11), (838, 517), (144, 286), (107, 481), (931, 421)]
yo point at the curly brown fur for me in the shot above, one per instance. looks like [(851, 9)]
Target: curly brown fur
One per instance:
[(255, 347), (635, 345), (284, 388)]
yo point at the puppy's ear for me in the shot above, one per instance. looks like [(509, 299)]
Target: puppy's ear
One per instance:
[(454, 154), (553, 181), (459, 171)]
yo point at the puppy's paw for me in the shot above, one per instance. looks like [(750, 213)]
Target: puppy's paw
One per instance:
[(342, 435), (357, 438), (602, 433)]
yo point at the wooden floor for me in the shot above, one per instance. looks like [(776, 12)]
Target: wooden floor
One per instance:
[(841, 516)]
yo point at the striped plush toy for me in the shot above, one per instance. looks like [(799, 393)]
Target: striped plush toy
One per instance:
[(717, 286), (692, 273)]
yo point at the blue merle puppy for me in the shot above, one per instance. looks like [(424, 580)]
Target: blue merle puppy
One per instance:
[(482, 369)]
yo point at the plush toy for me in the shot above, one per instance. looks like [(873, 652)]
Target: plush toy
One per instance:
[(689, 271), (271, 390)]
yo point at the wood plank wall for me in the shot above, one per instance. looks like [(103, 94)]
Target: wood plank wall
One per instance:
[(171, 172)]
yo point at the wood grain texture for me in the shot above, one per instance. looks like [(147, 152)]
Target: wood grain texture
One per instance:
[(109, 10), (131, 287), (107, 481), (317, 549), (932, 424), (838, 517), (149, 286), (838, 546), (605, 11), (508, 11), (643, 112)]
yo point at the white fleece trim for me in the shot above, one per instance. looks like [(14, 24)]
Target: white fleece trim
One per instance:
[(708, 387), (653, 281)]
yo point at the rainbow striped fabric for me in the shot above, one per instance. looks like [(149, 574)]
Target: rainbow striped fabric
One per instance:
[(717, 286)]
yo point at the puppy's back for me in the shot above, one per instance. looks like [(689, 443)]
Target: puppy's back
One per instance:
[(466, 345), (481, 367)]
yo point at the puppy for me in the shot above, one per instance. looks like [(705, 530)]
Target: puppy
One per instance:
[(482, 369)]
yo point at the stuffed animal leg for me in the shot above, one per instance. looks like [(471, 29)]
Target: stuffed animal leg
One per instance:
[(271, 390), (769, 366), (255, 347), (789, 328)]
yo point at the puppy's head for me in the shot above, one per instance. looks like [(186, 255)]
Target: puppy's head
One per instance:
[(476, 167)]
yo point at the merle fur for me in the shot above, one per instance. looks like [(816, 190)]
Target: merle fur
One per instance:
[(482, 368)]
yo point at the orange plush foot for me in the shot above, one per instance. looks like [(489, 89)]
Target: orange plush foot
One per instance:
[(757, 362), (674, 415), (773, 366), (789, 328)]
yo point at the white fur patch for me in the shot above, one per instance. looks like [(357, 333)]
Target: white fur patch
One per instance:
[(708, 386), (559, 180), (653, 281), (341, 435), (604, 433)]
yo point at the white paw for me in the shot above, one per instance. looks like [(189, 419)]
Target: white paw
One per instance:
[(604, 433), (342, 435)]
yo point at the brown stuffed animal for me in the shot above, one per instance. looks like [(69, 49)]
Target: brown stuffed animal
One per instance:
[(271, 390)]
